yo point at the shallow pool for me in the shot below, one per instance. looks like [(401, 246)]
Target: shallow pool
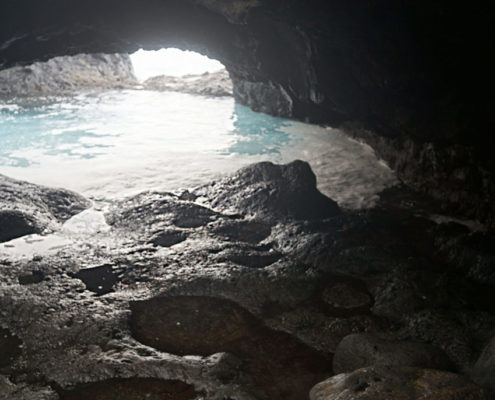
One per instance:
[(112, 144)]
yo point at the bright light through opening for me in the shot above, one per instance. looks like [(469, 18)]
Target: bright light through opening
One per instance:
[(172, 62)]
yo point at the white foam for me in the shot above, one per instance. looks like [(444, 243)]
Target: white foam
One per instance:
[(85, 224)]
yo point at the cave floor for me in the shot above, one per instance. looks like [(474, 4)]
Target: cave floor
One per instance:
[(242, 289)]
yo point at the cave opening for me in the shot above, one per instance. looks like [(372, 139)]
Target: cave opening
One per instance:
[(197, 256), (171, 62), (111, 125)]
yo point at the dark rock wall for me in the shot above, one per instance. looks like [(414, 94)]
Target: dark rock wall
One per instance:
[(419, 69)]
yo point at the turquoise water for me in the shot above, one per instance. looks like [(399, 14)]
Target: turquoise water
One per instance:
[(122, 142)]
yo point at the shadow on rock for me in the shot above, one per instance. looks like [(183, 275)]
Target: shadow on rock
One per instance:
[(99, 280), (130, 389), (9, 348)]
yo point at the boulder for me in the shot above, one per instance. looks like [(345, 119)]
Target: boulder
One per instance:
[(392, 383), (213, 84), (272, 192), (26, 208)]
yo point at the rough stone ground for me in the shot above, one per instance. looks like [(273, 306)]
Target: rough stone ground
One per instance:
[(26, 208), (200, 294)]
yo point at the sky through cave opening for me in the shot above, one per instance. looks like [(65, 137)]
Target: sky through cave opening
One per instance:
[(171, 62)]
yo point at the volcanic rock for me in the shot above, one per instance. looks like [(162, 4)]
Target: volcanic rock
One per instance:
[(213, 84), (272, 192), (26, 208), (392, 383)]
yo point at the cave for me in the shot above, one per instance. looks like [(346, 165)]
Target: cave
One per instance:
[(205, 286)]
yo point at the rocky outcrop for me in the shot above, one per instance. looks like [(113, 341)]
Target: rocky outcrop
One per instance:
[(213, 84), (26, 208), (68, 74), (454, 175)]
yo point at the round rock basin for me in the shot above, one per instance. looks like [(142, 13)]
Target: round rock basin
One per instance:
[(280, 365), (131, 389)]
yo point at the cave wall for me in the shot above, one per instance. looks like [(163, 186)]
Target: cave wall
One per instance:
[(417, 75)]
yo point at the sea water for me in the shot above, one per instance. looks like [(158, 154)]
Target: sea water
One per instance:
[(118, 143)]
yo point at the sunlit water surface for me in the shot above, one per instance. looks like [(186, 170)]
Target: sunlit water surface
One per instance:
[(118, 143)]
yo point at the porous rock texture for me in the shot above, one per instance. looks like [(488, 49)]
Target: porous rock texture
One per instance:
[(213, 84), (172, 298), (68, 74), (26, 208), (390, 383), (413, 79)]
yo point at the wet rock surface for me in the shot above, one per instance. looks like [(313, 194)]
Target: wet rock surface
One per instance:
[(211, 286), (26, 208), (68, 75), (208, 84), (390, 383), (272, 192)]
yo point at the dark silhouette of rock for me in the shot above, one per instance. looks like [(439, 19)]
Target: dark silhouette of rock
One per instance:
[(272, 192), (26, 208)]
